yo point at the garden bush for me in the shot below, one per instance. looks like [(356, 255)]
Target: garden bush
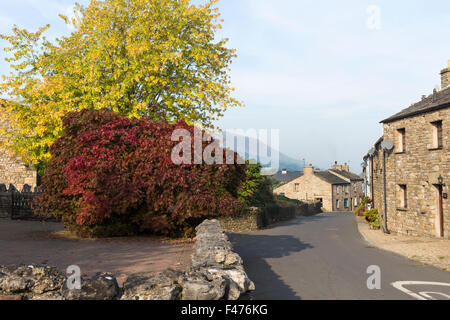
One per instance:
[(257, 189), (112, 176), (373, 218), (362, 207)]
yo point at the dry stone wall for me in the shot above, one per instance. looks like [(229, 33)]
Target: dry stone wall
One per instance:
[(256, 218), (216, 273)]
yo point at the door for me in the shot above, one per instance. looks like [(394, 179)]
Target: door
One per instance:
[(441, 211)]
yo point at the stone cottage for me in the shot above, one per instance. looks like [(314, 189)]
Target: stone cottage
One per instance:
[(408, 169), (13, 172), (337, 189)]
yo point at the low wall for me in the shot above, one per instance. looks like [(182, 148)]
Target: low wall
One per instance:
[(216, 273), (260, 218)]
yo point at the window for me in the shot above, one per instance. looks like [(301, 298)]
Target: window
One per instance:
[(337, 204), (437, 135), (355, 202), (345, 203), (337, 189), (346, 189), (297, 187), (402, 198), (401, 140)]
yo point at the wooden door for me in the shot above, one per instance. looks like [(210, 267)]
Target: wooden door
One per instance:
[(441, 212)]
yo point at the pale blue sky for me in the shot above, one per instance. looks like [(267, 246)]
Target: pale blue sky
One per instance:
[(312, 69)]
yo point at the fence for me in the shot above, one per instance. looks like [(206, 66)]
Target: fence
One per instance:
[(15, 204)]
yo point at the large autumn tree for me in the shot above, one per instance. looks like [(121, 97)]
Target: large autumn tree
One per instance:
[(123, 55)]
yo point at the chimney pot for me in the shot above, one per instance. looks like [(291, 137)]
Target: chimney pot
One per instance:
[(337, 166), (445, 76)]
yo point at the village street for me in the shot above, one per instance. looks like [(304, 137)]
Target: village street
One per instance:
[(325, 257)]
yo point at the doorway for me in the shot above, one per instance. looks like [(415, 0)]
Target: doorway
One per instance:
[(440, 211)]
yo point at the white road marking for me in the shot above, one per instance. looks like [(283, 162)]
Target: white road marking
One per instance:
[(428, 295), (424, 295)]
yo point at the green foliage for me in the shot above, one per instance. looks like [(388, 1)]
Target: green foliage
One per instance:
[(257, 189), (158, 58), (285, 201), (362, 207), (373, 218), (275, 182)]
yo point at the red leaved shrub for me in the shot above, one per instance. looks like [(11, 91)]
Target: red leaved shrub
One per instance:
[(112, 176)]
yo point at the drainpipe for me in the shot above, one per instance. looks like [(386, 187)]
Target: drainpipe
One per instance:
[(385, 227)]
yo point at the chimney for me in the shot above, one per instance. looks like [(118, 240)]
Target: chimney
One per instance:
[(346, 167), (307, 170), (337, 166), (445, 77)]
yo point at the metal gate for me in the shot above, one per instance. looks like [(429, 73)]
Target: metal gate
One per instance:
[(16, 205)]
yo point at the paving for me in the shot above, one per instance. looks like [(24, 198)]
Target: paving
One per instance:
[(34, 242), (427, 250), (325, 257)]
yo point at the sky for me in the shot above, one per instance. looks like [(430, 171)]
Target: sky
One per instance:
[(324, 73)]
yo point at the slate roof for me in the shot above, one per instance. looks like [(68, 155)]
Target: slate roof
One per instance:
[(347, 174), (431, 103), (289, 176), (330, 178)]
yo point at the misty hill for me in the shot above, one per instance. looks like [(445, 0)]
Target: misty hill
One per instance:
[(251, 151)]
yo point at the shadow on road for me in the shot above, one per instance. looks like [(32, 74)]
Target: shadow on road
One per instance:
[(255, 249)]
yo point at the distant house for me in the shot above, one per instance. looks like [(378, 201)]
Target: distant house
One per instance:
[(13, 172), (409, 182), (338, 189), (286, 176)]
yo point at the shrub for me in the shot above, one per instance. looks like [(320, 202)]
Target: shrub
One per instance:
[(286, 202), (112, 176), (373, 217), (362, 207), (257, 189)]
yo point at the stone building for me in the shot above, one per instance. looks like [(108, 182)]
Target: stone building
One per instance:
[(338, 189), (13, 172), (355, 191), (409, 182)]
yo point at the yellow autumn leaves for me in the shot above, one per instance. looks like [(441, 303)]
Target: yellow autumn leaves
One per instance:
[(126, 55)]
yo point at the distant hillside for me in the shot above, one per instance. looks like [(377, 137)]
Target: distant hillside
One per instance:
[(285, 161)]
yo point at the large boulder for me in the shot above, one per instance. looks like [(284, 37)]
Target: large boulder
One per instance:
[(11, 284), (102, 286), (164, 286), (202, 286), (30, 280), (45, 278), (236, 274)]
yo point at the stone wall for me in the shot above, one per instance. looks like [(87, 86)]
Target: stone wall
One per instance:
[(216, 273), (14, 172), (259, 218), (418, 167)]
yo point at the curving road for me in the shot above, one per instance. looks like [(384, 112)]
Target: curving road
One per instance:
[(324, 257)]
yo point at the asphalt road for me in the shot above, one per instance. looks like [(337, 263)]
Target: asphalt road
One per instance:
[(325, 257)]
